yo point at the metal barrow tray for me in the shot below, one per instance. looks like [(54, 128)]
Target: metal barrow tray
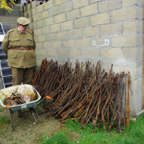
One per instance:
[(4, 93)]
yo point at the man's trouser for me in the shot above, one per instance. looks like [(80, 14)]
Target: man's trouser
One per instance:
[(21, 75)]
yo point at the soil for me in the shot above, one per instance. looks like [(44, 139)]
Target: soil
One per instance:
[(26, 131)]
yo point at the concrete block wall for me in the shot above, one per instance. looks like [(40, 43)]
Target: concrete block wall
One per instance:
[(10, 19), (92, 30)]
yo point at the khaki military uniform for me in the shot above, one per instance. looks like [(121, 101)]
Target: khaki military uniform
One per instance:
[(20, 61)]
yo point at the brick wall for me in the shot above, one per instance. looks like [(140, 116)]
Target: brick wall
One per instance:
[(106, 30), (10, 19)]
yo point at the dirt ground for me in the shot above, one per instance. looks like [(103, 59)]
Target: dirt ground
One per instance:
[(26, 131)]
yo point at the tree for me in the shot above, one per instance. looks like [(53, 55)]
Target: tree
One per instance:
[(6, 5)]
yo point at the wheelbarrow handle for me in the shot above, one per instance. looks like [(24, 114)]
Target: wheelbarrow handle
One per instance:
[(7, 106), (47, 97)]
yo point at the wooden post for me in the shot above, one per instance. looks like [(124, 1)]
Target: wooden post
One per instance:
[(143, 65)]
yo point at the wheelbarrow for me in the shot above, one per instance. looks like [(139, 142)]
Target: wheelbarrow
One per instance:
[(4, 93)]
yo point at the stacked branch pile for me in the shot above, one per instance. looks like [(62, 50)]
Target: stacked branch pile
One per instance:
[(90, 94)]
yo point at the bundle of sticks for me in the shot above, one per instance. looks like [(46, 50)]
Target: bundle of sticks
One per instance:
[(90, 94)]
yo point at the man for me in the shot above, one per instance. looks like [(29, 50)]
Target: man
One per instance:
[(19, 45)]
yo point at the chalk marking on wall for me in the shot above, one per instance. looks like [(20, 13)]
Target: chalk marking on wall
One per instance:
[(106, 42), (94, 42)]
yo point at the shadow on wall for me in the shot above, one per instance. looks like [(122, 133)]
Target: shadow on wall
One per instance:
[(41, 2)]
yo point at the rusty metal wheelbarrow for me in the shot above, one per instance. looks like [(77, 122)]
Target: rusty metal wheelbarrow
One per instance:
[(4, 93)]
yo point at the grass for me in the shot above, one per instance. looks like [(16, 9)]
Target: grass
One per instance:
[(4, 119), (59, 138), (1, 109), (133, 135)]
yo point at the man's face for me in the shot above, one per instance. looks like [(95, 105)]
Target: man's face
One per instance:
[(21, 28)]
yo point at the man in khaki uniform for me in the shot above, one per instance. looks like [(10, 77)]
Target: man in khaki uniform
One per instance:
[(19, 45)]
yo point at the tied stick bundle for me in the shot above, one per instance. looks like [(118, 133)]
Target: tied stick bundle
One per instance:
[(91, 95)]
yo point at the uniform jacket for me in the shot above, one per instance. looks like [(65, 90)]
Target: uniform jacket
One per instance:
[(19, 58)]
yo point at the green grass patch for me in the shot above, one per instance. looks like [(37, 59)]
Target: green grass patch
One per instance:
[(4, 119), (133, 135), (75, 126), (59, 138), (1, 109)]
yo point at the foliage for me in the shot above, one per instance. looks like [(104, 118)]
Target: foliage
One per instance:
[(1, 109), (42, 102), (59, 138), (6, 6), (133, 134), (4, 119), (43, 138), (75, 126)]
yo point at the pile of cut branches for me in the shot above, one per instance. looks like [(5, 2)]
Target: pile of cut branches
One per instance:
[(90, 95), (19, 97)]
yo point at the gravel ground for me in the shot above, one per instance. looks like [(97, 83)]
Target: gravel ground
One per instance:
[(26, 132)]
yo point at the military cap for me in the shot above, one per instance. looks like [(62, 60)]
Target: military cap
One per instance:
[(23, 21)]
